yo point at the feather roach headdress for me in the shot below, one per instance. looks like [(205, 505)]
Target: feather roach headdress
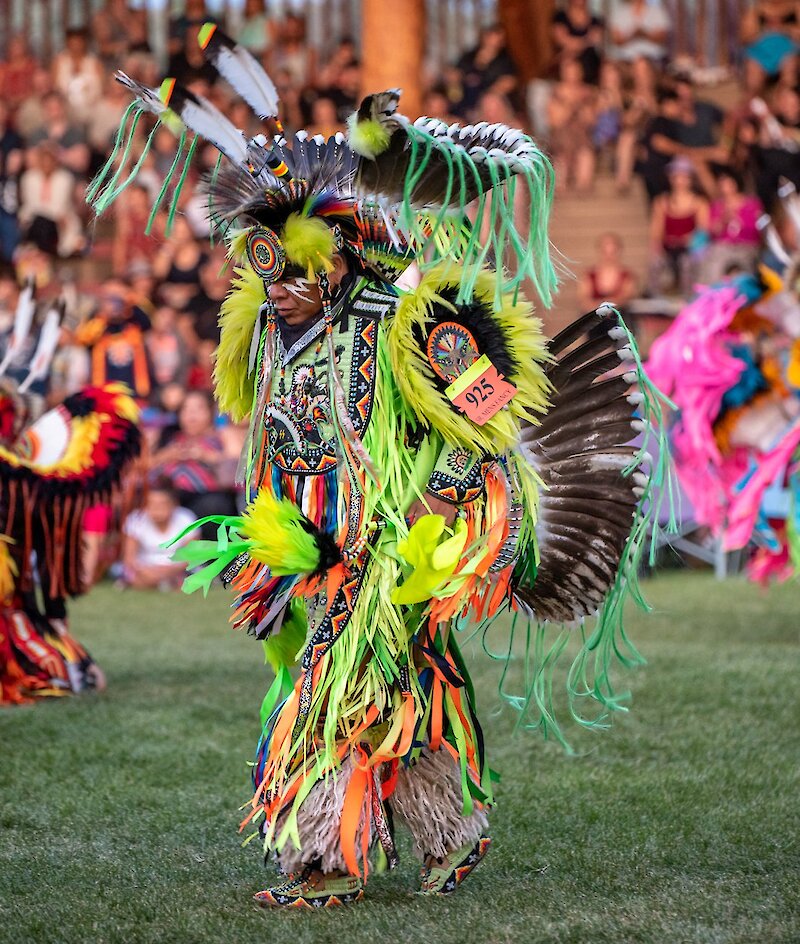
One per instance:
[(390, 192)]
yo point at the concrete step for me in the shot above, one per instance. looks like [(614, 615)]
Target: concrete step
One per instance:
[(577, 224)]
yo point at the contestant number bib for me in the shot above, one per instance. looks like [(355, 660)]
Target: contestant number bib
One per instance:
[(480, 391)]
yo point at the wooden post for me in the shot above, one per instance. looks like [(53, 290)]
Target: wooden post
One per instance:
[(723, 29), (528, 30), (8, 22), (393, 49)]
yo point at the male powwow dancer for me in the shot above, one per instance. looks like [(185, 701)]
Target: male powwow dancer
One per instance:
[(419, 457)]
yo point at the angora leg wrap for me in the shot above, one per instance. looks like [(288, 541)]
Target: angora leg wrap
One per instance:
[(318, 823), (428, 800)]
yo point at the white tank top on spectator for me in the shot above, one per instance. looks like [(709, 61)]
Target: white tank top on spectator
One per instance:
[(627, 20), (150, 538)]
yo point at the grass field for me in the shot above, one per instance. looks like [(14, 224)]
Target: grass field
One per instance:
[(118, 813)]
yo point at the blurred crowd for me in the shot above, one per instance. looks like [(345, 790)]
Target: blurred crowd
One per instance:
[(709, 174), (142, 308)]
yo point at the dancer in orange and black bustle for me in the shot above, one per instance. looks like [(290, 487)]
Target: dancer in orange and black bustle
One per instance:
[(52, 468)]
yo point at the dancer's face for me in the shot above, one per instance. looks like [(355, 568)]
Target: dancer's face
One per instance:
[(298, 300)]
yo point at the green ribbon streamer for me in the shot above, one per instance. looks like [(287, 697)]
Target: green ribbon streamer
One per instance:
[(181, 181), (278, 692), (102, 174), (167, 181)]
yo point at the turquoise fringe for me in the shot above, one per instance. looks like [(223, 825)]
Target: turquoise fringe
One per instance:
[(432, 234)]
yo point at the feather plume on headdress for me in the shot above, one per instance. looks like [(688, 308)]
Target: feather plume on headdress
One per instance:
[(241, 70)]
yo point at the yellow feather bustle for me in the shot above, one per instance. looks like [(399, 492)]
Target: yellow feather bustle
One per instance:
[(416, 379)]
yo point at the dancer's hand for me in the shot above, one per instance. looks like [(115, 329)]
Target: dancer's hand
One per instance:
[(431, 506)]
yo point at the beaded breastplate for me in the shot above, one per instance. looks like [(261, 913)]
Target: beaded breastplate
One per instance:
[(298, 418)]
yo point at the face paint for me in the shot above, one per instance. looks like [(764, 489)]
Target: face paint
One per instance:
[(299, 288)]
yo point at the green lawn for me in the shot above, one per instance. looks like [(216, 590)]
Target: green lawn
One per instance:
[(118, 813)]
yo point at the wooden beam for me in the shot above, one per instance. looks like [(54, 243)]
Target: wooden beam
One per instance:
[(8, 19), (723, 30), (527, 27), (682, 46), (701, 36), (393, 49)]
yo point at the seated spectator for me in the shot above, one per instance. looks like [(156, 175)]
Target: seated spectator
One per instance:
[(775, 140), (215, 281), (257, 30), (147, 564), (639, 30), (292, 53), (70, 369), (201, 372), (578, 34), (188, 65), (178, 263), (289, 97), (343, 57), (346, 91), (16, 71), (116, 339), (162, 149), (769, 32), (195, 461), (30, 118), (71, 150), (575, 34), (437, 105), (11, 161), (195, 13), (324, 118), (608, 280), (609, 106), (160, 419), (144, 67), (168, 356), (571, 117), (497, 109), (78, 76), (659, 145), (486, 68), (131, 244), (117, 29), (170, 399), (733, 229), (698, 130), (678, 230), (640, 104), (241, 115), (47, 212), (139, 275)]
